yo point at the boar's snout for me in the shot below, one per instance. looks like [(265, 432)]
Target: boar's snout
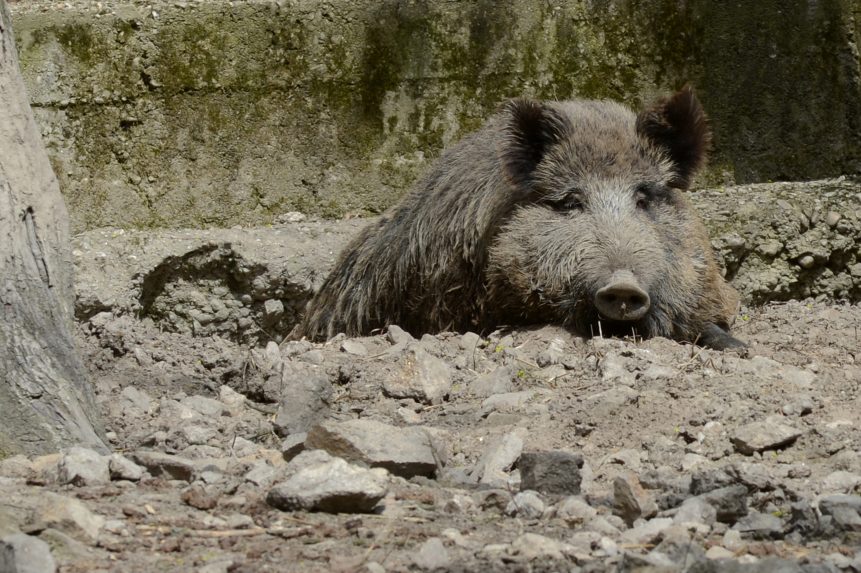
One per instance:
[(622, 298)]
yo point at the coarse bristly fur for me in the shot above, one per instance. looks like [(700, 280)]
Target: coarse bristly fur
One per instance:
[(523, 221)]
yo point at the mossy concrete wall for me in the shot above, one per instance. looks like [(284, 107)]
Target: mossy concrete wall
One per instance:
[(221, 113)]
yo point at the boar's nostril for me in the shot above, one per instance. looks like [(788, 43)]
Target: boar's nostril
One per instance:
[(622, 299)]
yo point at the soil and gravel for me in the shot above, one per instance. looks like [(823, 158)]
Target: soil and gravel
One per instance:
[(524, 450)]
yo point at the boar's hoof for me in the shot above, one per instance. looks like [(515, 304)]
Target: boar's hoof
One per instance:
[(622, 298)]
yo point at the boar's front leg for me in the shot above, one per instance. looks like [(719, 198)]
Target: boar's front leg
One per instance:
[(715, 337)]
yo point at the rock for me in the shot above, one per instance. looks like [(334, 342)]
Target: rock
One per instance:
[(432, 555), (398, 335), (15, 467), (420, 376), (208, 408), (498, 381), (233, 401), (498, 457), (526, 504), (718, 552), (261, 474), (648, 532), (164, 465), (21, 553), (120, 467), (404, 451), (304, 398), (709, 480), (730, 502), (531, 546), (82, 466), (195, 434), (354, 347), (840, 481), (273, 309), (200, 496), (293, 445), (137, 400), (243, 447), (552, 354), (844, 509), (574, 511), (630, 500), (67, 515), (769, 434), (760, 526), (678, 546), (554, 472), (331, 485), (695, 510)]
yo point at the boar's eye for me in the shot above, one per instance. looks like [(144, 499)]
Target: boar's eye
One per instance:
[(647, 193), (571, 201)]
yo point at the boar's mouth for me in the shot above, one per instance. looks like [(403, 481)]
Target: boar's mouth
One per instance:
[(589, 322)]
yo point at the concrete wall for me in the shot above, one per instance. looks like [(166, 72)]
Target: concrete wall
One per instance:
[(219, 113)]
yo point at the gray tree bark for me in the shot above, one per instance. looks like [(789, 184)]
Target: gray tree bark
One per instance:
[(46, 401)]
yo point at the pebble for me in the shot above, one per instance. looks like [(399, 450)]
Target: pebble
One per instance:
[(304, 398), (844, 509), (531, 546), (432, 555), (83, 467), (332, 486), (354, 347), (22, 553), (552, 472), (293, 445), (574, 511), (631, 501), (498, 457), (164, 465), (122, 468), (421, 376), (769, 434), (526, 504), (404, 451)]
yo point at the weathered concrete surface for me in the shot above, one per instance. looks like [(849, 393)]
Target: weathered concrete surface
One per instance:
[(181, 114), (777, 241)]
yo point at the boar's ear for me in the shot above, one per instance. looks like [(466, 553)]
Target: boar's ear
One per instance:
[(532, 128), (678, 124)]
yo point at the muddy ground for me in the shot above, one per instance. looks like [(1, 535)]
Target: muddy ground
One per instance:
[(662, 456)]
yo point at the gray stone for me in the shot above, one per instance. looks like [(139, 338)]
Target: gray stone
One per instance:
[(631, 501), (196, 434), (498, 381), (769, 434), (498, 457), (354, 347), (273, 309), (121, 467), (526, 504), (243, 447), (647, 532), (695, 510), (331, 485), (531, 546), (554, 472), (420, 376), (16, 467), (678, 546), (21, 553), (233, 401), (159, 464), (840, 481), (82, 466), (398, 335), (68, 515), (208, 408), (574, 511), (138, 400), (708, 480), (844, 509), (404, 451), (261, 474), (730, 502), (760, 525), (305, 394), (293, 445), (432, 555)]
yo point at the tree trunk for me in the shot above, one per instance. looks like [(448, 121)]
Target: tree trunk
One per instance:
[(46, 401)]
